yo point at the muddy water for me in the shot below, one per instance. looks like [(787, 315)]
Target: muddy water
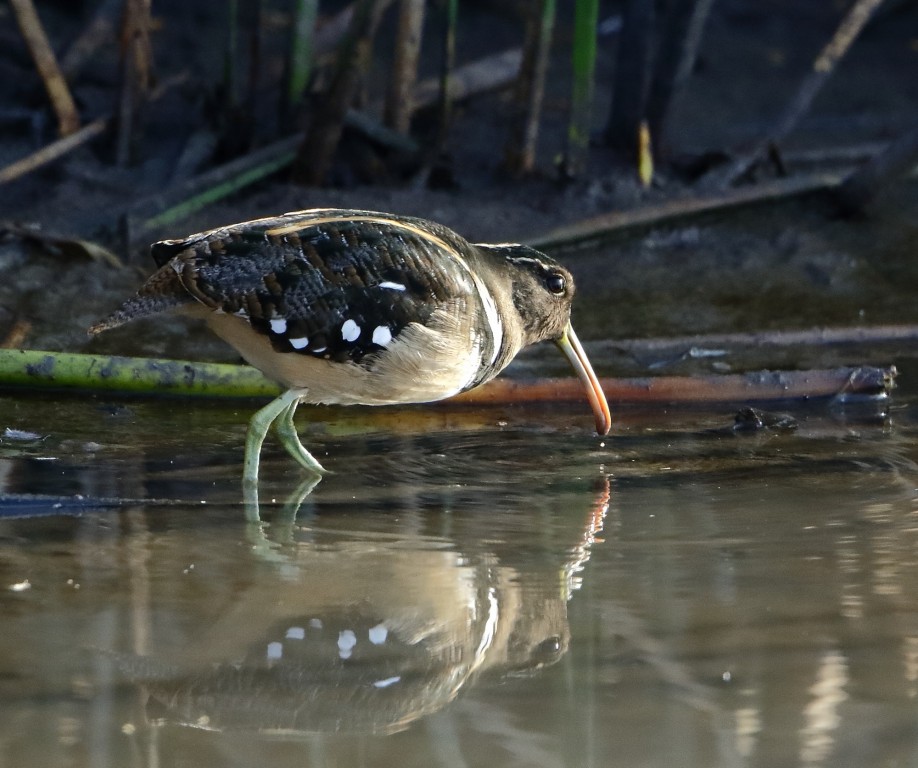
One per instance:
[(469, 588)]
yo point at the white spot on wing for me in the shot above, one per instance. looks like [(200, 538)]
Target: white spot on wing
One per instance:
[(382, 335), (378, 634), (392, 286), (296, 633), (275, 651), (279, 325), (346, 642), (299, 343), (350, 331), (387, 682)]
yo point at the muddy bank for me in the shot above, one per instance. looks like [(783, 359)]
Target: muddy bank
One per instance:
[(784, 265)]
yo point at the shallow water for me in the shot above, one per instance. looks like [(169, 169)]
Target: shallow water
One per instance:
[(468, 588)]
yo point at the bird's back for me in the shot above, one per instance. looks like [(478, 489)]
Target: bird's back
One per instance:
[(333, 285)]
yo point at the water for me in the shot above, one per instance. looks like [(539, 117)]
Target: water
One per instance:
[(469, 588)]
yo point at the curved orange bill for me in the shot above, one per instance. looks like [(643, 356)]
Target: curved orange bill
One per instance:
[(569, 344)]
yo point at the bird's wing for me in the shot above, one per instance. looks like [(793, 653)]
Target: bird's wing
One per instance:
[(338, 286)]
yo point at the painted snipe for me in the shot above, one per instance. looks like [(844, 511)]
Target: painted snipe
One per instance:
[(357, 307)]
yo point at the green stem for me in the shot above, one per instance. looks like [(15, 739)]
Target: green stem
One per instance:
[(586, 17), (37, 369), (304, 21)]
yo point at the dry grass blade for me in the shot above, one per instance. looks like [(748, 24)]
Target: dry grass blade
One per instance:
[(46, 62)]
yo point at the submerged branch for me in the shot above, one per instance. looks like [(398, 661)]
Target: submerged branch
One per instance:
[(55, 370), (746, 387)]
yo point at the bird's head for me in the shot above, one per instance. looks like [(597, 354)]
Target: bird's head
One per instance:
[(540, 292), (540, 289)]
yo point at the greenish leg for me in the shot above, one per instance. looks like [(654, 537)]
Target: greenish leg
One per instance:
[(290, 439), (281, 408)]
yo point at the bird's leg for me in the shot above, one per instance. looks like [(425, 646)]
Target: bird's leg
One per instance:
[(286, 431), (258, 429)]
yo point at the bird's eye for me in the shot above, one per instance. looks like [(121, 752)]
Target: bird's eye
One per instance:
[(556, 283)]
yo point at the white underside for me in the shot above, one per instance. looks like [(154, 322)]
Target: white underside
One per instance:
[(422, 363)]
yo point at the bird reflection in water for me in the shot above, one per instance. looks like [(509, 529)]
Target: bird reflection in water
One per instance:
[(366, 633)]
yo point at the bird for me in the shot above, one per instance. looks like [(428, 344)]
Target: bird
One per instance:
[(353, 307)]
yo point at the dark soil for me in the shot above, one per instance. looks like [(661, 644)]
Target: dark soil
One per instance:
[(786, 265)]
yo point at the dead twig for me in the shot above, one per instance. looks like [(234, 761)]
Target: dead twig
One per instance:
[(519, 154), (399, 99), (822, 337), (136, 74), (488, 73), (317, 150), (52, 151), (600, 228), (33, 32), (797, 349), (823, 67)]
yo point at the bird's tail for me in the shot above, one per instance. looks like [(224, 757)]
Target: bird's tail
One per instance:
[(163, 291)]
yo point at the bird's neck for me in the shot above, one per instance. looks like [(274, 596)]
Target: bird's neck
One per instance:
[(500, 324)]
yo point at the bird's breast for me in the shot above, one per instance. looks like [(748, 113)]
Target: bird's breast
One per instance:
[(424, 363)]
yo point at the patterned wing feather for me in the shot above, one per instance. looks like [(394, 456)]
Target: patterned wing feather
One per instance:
[(334, 285)]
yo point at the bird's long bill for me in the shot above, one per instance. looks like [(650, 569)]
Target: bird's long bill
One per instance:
[(569, 344)]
